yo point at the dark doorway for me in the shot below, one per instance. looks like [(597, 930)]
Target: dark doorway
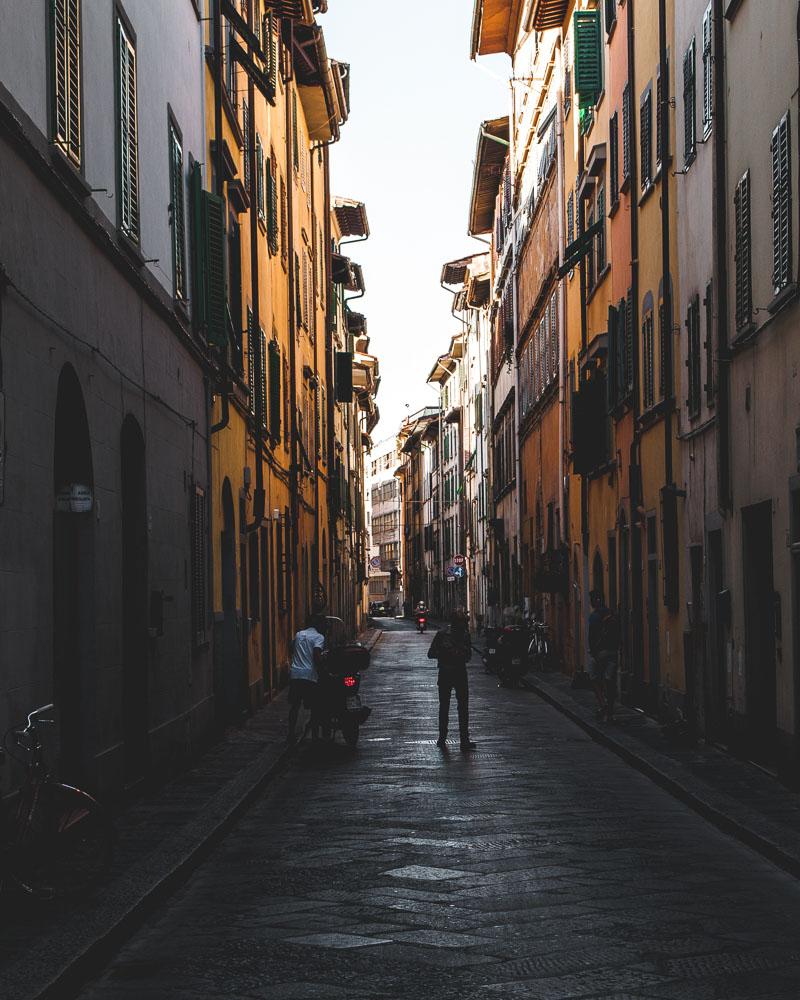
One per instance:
[(229, 671), (73, 579), (597, 575), (653, 654), (759, 616), (135, 722), (716, 684)]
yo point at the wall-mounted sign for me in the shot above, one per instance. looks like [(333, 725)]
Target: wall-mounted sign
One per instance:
[(74, 499)]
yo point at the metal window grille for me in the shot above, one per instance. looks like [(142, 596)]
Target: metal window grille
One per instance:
[(66, 75), (127, 136)]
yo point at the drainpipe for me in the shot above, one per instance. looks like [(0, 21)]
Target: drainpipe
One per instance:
[(562, 315), (219, 184), (721, 283), (294, 451), (666, 276), (516, 577), (258, 359), (634, 467)]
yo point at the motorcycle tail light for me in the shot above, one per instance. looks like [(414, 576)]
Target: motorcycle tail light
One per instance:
[(350, 682)]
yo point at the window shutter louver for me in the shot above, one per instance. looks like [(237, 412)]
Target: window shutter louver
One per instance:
[(246, 150), (613, 152), (709, 344), (646, 139), (708, 73), (554, 354), (274, 390), (613, 357), (781, 207), (66, 66), (693, 357), (272, 206), (177, 216), (213, 228), (744, 279), (588, 56), (260, 178), (629, 373), (626, 132), (295, 140), (251, 361), (127, 136), (262, 380), (689, 105), (659, 117), (664, 379)]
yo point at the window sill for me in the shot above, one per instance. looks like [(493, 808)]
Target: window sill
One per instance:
[(126, 244), (182, 310), (653, 414), (610, 30), (600, 279), (743, 335), (625, 186), (783, 298), (646, 192), (733, 9), (614, 208), (70, 173), (687, 163)]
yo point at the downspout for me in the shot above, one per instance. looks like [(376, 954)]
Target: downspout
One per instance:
[(255, 332), (721, 285), (585, 539), (330, 401), (219, 189), (516, 579), (294, 456), (635, 483), (666, 277), (562, 313)]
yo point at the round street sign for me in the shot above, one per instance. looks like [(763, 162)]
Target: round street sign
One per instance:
[(375, 562), (459, 560)]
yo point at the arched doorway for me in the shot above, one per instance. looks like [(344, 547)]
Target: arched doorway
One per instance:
[(228, 673), (135, 721), (73, 578)]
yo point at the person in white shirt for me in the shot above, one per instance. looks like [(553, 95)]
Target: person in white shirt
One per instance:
[(308, 649)]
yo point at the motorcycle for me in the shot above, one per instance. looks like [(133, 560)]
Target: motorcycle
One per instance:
[(491, 635), (422, 623), (512, 655), (340, 706)]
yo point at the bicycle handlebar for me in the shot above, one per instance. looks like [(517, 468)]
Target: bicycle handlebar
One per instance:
[(34, 716)]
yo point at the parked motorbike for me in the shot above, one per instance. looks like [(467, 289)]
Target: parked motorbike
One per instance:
[(340, 706), (490, 660), (512, 655)]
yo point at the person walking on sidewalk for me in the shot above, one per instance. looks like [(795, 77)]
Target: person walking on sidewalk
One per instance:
[(452, 648), (308, 648), (604, 639)]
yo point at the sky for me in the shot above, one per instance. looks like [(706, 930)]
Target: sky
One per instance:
[(408, 152)]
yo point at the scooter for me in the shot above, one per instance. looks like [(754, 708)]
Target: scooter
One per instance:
[(422, 623), (512, 655), (340, 705)]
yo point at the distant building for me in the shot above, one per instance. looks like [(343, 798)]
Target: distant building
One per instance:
[(383, 525)]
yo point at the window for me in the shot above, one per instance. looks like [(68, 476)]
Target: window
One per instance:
[(590, 254), (295, 137), (284, 225), (251, 361), (648, 361), (613, 155), (230, 67), (588, 56), (600, 241), (197, 520), (127, 138), (209, 306), (65, 36), (646, 138), (272, 204), (661, 120), (744, 277), (781, 206), (570, 218), (664, 374), (567, 80), (235, 290), (708, 74), (274, 364), (689, 106), (693, 357), (177, 217), (626, 133), (628, 335), (262, 379), (260, 180), (708, 302)]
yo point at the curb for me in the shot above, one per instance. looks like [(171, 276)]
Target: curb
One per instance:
[(183, 855), (748, 826)]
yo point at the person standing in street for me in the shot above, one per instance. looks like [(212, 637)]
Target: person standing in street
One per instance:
[(604, 639), (308, 648), (452, 648)]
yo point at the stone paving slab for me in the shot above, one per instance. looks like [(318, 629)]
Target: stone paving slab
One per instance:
[(739, 798), (46, 951)]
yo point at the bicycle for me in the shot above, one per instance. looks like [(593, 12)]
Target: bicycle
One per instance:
[(539, 648), (59, 840)]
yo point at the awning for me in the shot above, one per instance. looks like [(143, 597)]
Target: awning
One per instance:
[(293, 10), (341, 269), (455, 271), (490, 157), (356, 323), (316, 85), (495, 24), (356, 283), (479, 291), (351, 216), (548, 14), (442, 370)]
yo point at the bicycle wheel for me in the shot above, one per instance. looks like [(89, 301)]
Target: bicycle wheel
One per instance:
[(64, 846)]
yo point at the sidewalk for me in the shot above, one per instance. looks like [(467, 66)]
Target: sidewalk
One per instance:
[(45, 952), (736, 796)]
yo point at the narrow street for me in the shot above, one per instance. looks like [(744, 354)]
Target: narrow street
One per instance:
[(540, 866)]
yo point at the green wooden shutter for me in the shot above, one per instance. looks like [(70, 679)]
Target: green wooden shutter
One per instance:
[(177, 215), (613, 350), (272, 208), (251, 361), (260, 177), (66, 67), (274, 390), (295, 137), (213, 227), (262, 379), (588, 56), (781, 207), (744, 276), (246, 149), (689, 105)]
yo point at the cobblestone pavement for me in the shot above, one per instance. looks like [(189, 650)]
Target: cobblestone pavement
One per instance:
[(539, 867)]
